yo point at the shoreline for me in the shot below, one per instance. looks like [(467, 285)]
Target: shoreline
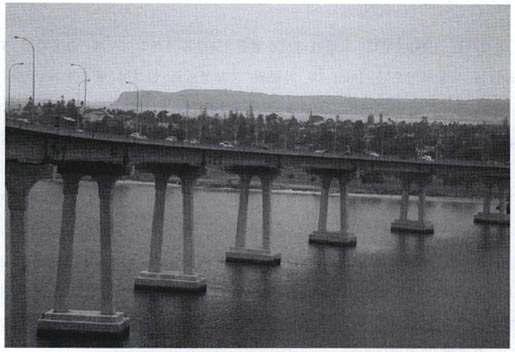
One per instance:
[(282, 188)]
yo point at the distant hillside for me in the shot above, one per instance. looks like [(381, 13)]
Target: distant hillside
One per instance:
[(493, 110)]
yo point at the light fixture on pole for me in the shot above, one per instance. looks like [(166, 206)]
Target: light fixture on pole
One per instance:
[(33, 71), (85, 82), (9, 85), (137, 94), (137, 103)]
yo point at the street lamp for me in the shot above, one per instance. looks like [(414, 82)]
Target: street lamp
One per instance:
[(80, 84), (85, 81), (137, 102), (33, 71), (137, 94), (9, 85)]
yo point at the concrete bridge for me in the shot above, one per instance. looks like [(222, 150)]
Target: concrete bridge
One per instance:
[(30, 149)]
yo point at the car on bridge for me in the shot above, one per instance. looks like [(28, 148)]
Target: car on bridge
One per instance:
[(138, 135), (226, 145)]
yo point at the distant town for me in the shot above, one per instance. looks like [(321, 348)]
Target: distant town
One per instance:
[(373, 135)]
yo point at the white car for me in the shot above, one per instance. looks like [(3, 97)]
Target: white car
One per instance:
[(226, 145), (172, 139), (426, 158), (137, 135)]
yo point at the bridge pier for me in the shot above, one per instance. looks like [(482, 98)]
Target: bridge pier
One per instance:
[(239, 253), (154, 278), (61, 319), (341, 238), (403, 224), (501, 217), (19, 179)]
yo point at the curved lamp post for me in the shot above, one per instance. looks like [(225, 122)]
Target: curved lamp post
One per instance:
[(85, 81), (9, 85), (137, 102), (33, 69)]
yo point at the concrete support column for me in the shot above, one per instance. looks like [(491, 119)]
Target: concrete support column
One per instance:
[(324, 202), (405, 184), (403, 224), (266, 185), (188, 255), (486, 216), (156, 278), (341, 238), (156, 241), (19, 179), (239, 253), (421, 203), (65, 321), (241, 227), (105, 193), (65, 256), (342, 181)]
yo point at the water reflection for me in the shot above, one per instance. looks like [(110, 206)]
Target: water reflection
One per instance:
[(397, 290), (411, 248), (493, 236)]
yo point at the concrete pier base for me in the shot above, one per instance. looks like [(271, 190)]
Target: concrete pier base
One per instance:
[(252, 256), (170, 281), (333, 238), (492, 218), (83, 322), (412, 226)]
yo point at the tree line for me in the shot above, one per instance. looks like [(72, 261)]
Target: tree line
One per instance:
[(456, 141)]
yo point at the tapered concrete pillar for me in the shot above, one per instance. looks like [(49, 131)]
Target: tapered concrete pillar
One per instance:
[(499, 217), (105, 193), (342, 182), (241, 226), (188, 254), (19, 179), (239, 253), (65, 256), (324, 203), (156, 240), (266, 185), (155, 278), (421, 204), (403, 224), (341, 238), (405, 184), (106, 321)]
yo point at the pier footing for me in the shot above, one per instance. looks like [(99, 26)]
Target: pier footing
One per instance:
[(252, 256), (492, 218), (412, 226), (170, 281), (83, 322), (333, 238)]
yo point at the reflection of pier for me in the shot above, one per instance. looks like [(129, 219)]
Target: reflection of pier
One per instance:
[(29, 150)]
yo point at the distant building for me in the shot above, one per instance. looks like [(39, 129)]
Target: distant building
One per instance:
[(370, 119), (95, 115), (315, 119)]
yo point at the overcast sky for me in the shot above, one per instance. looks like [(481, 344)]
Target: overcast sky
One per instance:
[(390, 51)]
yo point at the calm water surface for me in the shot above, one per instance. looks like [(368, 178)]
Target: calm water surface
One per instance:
[(450, 289)]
